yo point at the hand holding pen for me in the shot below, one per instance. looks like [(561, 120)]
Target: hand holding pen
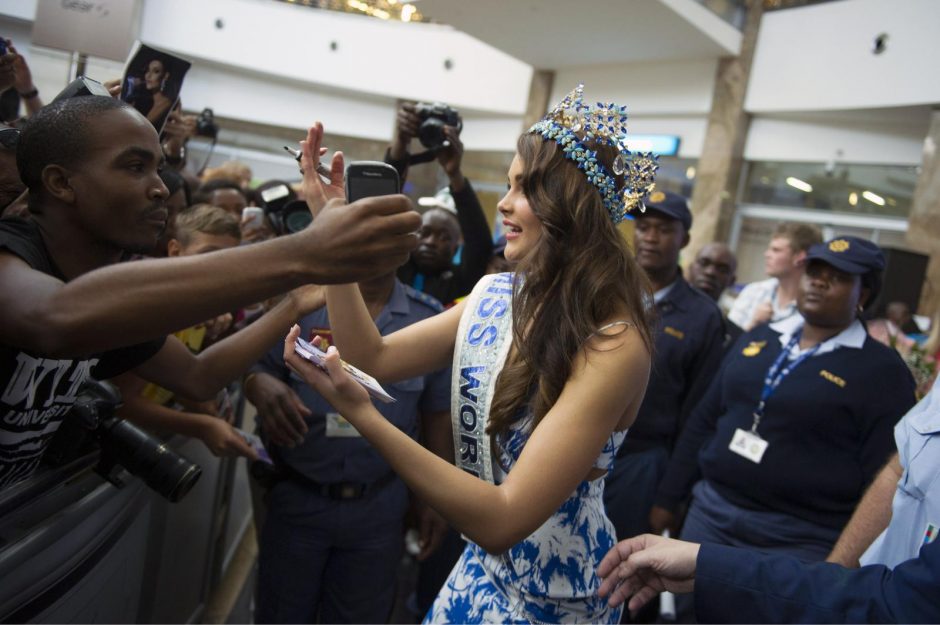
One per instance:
[(321, 168), (320, 184)]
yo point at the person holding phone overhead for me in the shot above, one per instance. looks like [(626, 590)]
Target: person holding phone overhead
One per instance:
[(549, 368)]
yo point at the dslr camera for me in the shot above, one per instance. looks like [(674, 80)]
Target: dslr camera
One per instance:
[(205, 124), (434, 117), (285, 212), (93, 421)]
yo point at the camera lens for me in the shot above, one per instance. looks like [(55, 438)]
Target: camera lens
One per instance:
[(297, 219), (431, 133), (161, 468)]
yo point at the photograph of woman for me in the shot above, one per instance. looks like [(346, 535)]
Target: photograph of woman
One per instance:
[(152, 83), (550, 366)]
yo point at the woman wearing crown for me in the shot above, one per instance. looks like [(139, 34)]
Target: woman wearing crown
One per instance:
[(550, 365)]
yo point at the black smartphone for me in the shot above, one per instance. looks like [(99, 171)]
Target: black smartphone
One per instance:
[(370, 178)]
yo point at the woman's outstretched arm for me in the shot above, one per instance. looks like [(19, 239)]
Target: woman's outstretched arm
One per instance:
[(557, 457), (414, 350)]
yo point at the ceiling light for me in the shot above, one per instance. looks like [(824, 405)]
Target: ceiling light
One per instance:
[(874, 198), (796, 183), (853, 198)]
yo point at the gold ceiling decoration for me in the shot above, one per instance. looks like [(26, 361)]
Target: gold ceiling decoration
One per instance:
[(394, 10)]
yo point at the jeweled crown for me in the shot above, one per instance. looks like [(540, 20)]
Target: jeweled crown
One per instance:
[(605, 124)]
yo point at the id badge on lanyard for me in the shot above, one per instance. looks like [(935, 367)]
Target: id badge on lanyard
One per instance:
[(748, 443)]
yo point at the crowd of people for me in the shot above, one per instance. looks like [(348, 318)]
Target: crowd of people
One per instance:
[(564, 397)]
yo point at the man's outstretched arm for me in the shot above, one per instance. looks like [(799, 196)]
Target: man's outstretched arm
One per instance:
[(133, 302), (740, 586)]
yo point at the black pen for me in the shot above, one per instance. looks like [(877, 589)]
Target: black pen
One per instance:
[(297, 154)]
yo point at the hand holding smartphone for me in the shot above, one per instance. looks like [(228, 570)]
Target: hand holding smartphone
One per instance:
[(370, 179), (252, 217)]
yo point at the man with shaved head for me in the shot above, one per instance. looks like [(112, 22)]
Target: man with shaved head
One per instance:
[(713, 271), (70, 311)]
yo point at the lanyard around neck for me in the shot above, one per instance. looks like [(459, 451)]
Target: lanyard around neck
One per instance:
[(778, 372)]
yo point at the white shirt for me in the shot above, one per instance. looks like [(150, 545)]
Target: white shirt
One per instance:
[(755, 294), (663, 292), (852, 337), (915, 512)]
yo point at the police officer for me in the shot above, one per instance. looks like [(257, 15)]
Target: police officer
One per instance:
[(713, 271), (689, 337), (332, 537), (743, 586), (798, 421)]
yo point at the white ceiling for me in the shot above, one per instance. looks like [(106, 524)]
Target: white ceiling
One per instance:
[(551, 34)]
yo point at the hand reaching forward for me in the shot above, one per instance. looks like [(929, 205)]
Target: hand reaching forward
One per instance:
[(280, 410), (352, 242), (223, 440), (642, 567), (316, 191)]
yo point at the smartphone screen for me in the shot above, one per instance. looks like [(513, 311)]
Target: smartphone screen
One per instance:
[(369, 179), (370, 187)]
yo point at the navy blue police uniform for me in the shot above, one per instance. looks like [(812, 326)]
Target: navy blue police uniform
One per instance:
[(788, 439), (689, 335), (824, 417), (332, 538), (741, 586)]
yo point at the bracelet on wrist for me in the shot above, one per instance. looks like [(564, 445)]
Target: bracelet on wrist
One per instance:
[(29, 95), (174, 159)]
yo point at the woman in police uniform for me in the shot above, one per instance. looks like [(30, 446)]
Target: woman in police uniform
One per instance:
[(798, 421)]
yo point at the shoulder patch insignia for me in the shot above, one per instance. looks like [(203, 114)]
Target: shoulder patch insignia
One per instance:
[(754, 348), (426, 299)]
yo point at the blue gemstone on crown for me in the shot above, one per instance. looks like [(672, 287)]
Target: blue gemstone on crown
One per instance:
[(606, 123)]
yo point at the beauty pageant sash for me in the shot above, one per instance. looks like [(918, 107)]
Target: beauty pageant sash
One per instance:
[(484, 337)]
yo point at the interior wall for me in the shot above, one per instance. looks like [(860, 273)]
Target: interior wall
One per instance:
[(670, 98), (776, 139), (820, 57)]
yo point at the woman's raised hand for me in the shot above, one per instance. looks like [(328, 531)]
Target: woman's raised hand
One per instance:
[(318, 192), (334, 384)]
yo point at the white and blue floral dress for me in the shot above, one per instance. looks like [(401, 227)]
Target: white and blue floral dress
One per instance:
[(550, 576)]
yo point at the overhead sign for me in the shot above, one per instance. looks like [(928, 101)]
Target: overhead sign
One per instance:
[(101, 28), (661, 145)]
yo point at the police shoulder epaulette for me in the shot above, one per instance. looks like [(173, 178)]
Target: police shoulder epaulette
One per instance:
[(424, 298)]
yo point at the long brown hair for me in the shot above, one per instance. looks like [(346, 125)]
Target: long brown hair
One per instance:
[(579, 275)]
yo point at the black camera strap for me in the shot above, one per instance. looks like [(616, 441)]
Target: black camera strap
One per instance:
[(424, 157)]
